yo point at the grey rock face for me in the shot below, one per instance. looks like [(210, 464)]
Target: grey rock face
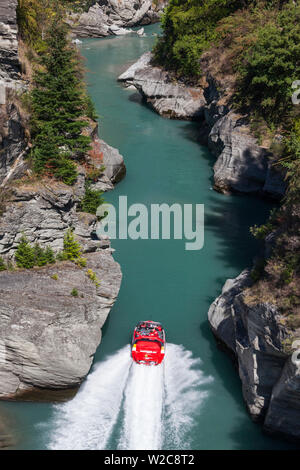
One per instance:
[(48, 337), (283, 415), (220, 313), (43, 212), (114, 170), (170, 99), (91, 24), (242, 165), (110, 17), (9, 63), (12, 143), (259, 338), (256, 334)]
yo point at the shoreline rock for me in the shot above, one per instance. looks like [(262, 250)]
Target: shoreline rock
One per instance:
[(48, 337), (108, 160), (242, 165), (255, 335), (111, 17), (168, 98)]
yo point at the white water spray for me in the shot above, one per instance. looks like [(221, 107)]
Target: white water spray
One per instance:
[(128, 406), (87, 421), (142, 427)]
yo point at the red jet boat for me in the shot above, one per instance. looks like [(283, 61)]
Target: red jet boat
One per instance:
[(148, 343)]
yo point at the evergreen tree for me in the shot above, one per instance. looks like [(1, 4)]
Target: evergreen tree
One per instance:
[(72, 249), (91, 200), (39, 255), (43, 256), (25, 256), (58, 103), (49, 255)]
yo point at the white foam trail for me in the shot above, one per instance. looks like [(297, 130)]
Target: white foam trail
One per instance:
[(184, 395), (87, 421), (143, 409), (138, 407)]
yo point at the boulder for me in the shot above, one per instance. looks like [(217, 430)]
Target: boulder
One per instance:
[(160, 90), (93, 23), (112, 16)]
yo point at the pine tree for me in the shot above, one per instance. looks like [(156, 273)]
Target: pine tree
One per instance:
[(91, 200), (39, 255), (24, 256), (43, 256), (72, 249), (49, 254), (58, 103)]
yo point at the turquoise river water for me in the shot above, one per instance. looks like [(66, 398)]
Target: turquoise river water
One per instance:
[(194, 400)]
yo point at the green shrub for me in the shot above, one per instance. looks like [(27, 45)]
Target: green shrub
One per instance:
[(81, 262), (291, 163), (268, 69), (91, 200), (66, 171), (42, 256), (49, 255), (25, 256), (28, 256), (72, 248), (94, 173), (3, 266), (260, 232), (189, 27), (93, 277), (74, 292)]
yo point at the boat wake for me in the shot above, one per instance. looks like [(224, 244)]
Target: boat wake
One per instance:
[(123, 405)]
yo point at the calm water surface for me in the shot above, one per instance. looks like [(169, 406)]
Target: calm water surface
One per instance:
[(162, 282)]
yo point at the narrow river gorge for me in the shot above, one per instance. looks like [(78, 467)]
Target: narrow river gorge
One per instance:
[(198, 389)]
